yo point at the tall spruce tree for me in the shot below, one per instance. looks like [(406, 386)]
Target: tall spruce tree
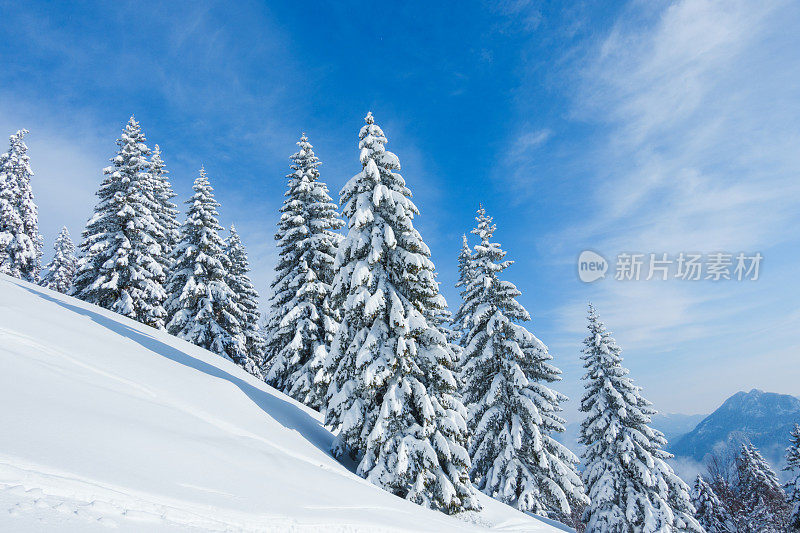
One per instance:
[(166, 212), (202, 305), (120, 268), (443, 387), (465, 275), (438, 315), (793, 486), (301, 321), (247, 301), (630, 484), (709, 510), (512, 411), (391, 395), (761, 493), (60, 272), (20, 242)]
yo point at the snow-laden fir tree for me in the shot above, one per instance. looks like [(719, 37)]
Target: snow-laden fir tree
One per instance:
[(793, 486), (438, 315), (20, 242), (761, 493), (443, 387), (465, 275), (165, 212), (120, 267), (630, 484), (301, 321), (391, 395), (60, 272), (709, 510), (247, 301), (202, 305), (512, 411)]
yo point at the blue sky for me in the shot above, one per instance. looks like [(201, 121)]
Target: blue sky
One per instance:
[(641, 126)]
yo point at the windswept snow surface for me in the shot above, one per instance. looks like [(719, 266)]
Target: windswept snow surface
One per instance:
[(107, 423)]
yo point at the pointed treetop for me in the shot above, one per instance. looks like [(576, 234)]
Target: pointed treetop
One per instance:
[(17, 143), (63, 239), (306, 149), (238, 256), (202, 186), (485, 229), (481, 213), (17, 146), (157, 167), (132, 135), (304, 162), (368, 119), (19, 135)]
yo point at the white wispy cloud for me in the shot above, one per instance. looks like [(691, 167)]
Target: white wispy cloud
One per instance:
[(530, 140), (702, 150), (698, 103)]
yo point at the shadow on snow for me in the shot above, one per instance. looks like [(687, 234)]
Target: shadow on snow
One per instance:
[(284, 412)]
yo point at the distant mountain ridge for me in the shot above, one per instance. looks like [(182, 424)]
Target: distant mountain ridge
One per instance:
[(672, 425), (763, 418)]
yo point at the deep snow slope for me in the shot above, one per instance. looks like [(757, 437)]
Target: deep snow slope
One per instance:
[(106, 423)]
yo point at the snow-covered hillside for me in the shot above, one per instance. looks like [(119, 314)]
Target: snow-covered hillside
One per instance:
[(105, 422)]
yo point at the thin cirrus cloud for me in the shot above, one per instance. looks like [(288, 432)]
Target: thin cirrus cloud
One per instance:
[(702, 144), (530, 140), (699, 152)]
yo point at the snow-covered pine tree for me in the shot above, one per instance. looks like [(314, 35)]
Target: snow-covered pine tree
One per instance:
[(440, 368), (439, 316), (512, 411), (761, 492), (20, 242), (120, 268), (8, 215), (10, 223), (202, 305), (247, 300), (166, 212), (301, 321), (387, 397), (630, 484), (60, 272), (465, 274), (708, 509), (793, 486)]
